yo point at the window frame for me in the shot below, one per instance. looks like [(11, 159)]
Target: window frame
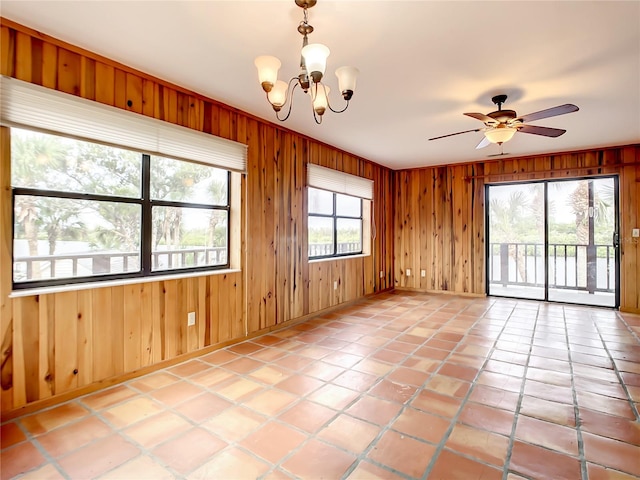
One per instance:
[(146, 222), (335, 218)]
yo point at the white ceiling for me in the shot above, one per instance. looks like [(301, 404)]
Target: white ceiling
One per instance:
[(422, 63)]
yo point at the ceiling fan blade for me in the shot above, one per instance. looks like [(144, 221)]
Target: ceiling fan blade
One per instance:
[(550, 112), (545, 131), (483, 118), (457, 133), (483, 143)]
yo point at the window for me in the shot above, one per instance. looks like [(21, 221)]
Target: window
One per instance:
[(83, 209), (338, 213), (335, 224), (100, 192)]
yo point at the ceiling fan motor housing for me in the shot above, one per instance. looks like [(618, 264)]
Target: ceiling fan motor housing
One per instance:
[(503, 116)]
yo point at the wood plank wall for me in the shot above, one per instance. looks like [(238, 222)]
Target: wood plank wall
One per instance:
[(440, 225), (108, 333)]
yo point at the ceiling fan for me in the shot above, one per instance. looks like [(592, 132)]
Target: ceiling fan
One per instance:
[(501, 125)]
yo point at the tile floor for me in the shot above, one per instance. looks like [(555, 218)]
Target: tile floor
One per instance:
[(401, 386)]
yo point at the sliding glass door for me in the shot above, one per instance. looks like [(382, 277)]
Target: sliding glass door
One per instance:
[(554, 240)]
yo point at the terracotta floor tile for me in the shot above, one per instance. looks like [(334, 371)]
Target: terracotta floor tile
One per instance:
[(269, 354), (494, 397), (219, 357), (555, 412), (307, 416), (203, 407), (153, 381), (245, 348), (131, 412), (609, 389), (487, 418), (239, 389), (555, 437), (342, 359), (409, 347), (232, 463), (140, 468), (467, 374), (243, 365), (432, 402), (375, 410), (601, 403), (176, 393), (422, 365), (549, 376), (537, 462), (402, 454), (358, 349), (318, 460), (422, 425), (107, 398), (267, 340), (392, 391), (368, 471), (447, 386), (10, 434), (450, 466), (98, 457), (47, 420), (374, 367), (270, 402), (389, 356), (234, 423), (357, 381), (157, 429), (481, 444), (19, 459), (213, 377), (611, 453), (408, 376), (189, 368), (598, 472), (300, 385), (333, 396), (323, 371), (46, 472), (554, 393), (189, 450), (349, 433), (604, 425), (270, 375), (69, 437), (273, 441), (500, 381)]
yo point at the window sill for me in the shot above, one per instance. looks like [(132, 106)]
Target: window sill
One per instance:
[(344, 257), (115, 283)]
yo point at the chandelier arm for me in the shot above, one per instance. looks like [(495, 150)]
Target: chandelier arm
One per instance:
[(288, 99), (316, 117), (329, 103)]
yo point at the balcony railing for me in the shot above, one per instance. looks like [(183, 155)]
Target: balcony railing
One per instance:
[(590, 268), (44, 267), (325, 249)]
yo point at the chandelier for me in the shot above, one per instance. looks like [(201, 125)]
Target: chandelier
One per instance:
[(313, 62)]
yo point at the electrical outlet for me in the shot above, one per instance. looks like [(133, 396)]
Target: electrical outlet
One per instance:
[(191, 319), (635, 233), (335, 285), (423, 273), (381, 274), (408, 272)]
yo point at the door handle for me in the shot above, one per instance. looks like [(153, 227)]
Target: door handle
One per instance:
[(616, 240)]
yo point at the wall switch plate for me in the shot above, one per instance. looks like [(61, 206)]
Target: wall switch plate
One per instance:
[(408, 272), (381, 274), (635, 232), (423, 273), (335, 285), (191, 319)]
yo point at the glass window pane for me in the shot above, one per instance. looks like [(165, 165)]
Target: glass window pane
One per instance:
[(349, 232), (320, 236), (320, 201), (178, 181), (188, 237), (64, 238), (348, 206), (50, 162)]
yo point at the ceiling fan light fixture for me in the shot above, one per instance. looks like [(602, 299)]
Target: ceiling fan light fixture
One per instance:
[(500, 134)]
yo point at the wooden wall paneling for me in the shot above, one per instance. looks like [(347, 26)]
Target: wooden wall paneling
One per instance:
[(117, 319), (191, 306), (26, 320), (120, 97), (69, 72), (133, 93), (66, 340), (132, 328), (87, 78), (36, 60), (201, 312), (478, 230), (180, 318), (7, 50), (18, 370), (147, 330), (85, 338), (49, 66), (224, 308), (105, 84), (47, 345), (6, 240), (103, 327), (23, 65)]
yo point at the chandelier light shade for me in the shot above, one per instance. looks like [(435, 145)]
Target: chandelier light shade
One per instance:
[(500, 134), (313, 65)]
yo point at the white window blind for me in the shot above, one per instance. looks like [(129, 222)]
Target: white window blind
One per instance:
[(340, 182), (24, 104)]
